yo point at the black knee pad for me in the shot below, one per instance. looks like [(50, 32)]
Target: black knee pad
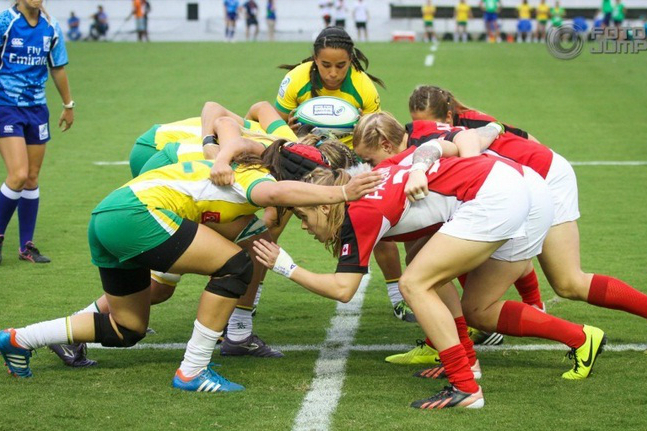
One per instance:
[(232, 280), (106, 335)]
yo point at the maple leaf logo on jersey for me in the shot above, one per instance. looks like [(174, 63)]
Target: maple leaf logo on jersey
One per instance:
[(346, 250), (209, 216)]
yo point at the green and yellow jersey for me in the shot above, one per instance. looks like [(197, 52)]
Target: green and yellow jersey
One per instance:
[(542, 12), (462, 12), (186, 190), (428, 14), (524, 11), (357, 89)]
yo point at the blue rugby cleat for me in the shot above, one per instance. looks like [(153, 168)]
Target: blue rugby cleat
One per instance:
[(16, 358), (207, 380)]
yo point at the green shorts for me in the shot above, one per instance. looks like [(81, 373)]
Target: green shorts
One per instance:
[(168, 156), (429, 24), (117, 235), (143, 150)]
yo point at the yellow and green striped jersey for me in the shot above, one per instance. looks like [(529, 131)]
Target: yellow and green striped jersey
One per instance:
[(186, 190), (174, 132), (357, 89)]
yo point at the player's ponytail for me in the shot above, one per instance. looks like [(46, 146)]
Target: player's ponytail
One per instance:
[(338, 38), (335, 218), (436, 102), (374, 128)]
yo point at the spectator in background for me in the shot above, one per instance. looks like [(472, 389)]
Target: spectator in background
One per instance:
[(339, 14), (146, 6), (618, 14), (271, 19), (557, 15), (326, 7), (462, 14), (231, 15), (542, 13), (524, 26), (251, 10), (73, 27), (606, 8), (99, 26), (428, 10), (361, 17), (140, 26), (491, 10)]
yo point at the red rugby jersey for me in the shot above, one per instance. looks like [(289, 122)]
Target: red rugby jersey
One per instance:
[(509, 146), (387, 214)]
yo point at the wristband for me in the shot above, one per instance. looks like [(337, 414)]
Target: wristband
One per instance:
[(420, 166), (70, 105), (284, 264), (497, 126), (209, 140)]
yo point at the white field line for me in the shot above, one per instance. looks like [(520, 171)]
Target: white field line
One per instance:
[(430, 59), (119, 163), (610, 163), (635, 347), (321, 401)]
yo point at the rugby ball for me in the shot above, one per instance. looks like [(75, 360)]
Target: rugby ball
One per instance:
[(327, 112)]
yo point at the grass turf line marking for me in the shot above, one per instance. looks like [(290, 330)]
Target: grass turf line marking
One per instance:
[(322, 399), (430, 59), (631, 347), (610, 163), (122, 162)]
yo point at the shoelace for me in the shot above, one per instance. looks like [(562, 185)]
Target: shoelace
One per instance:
[(220, 379), (447, 391), (420, 343), (571, 355)]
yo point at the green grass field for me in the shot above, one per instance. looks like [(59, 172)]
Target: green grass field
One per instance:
[(588, 109)]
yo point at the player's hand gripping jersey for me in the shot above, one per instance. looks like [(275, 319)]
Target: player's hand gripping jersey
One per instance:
[(509, 146), (387, 214)]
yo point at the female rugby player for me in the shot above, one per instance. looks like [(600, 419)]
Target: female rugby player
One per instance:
[(154, 223), (32, 41)]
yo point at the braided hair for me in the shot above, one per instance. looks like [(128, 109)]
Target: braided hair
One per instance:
[(435, 101), (337, 38)]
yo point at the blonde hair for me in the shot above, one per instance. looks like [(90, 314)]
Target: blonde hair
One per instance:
[(335, 218), (373, 128)]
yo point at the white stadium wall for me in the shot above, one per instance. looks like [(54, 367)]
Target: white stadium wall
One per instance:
[(297, 19)]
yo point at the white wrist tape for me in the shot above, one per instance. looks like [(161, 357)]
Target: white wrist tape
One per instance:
[(420, 166), (496, 126), (284, 264)]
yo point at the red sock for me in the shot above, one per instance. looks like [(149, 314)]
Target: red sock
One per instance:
[(529, 290), (429, 342), (458, 370), (611, 293), (466, 342), (522, 320)]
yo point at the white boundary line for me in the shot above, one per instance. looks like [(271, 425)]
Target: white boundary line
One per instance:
[(632, 347), (322, 399), (430, 59)]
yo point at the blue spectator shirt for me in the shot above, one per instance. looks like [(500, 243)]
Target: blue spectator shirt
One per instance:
[(26, 54), (231, 6)]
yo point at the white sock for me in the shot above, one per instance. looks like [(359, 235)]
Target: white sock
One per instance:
[(57, 331), (239, 326), (394, 294), (258, 294), (199, 349), (92, 308)]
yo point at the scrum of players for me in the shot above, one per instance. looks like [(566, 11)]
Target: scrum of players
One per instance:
[(473, 200)]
